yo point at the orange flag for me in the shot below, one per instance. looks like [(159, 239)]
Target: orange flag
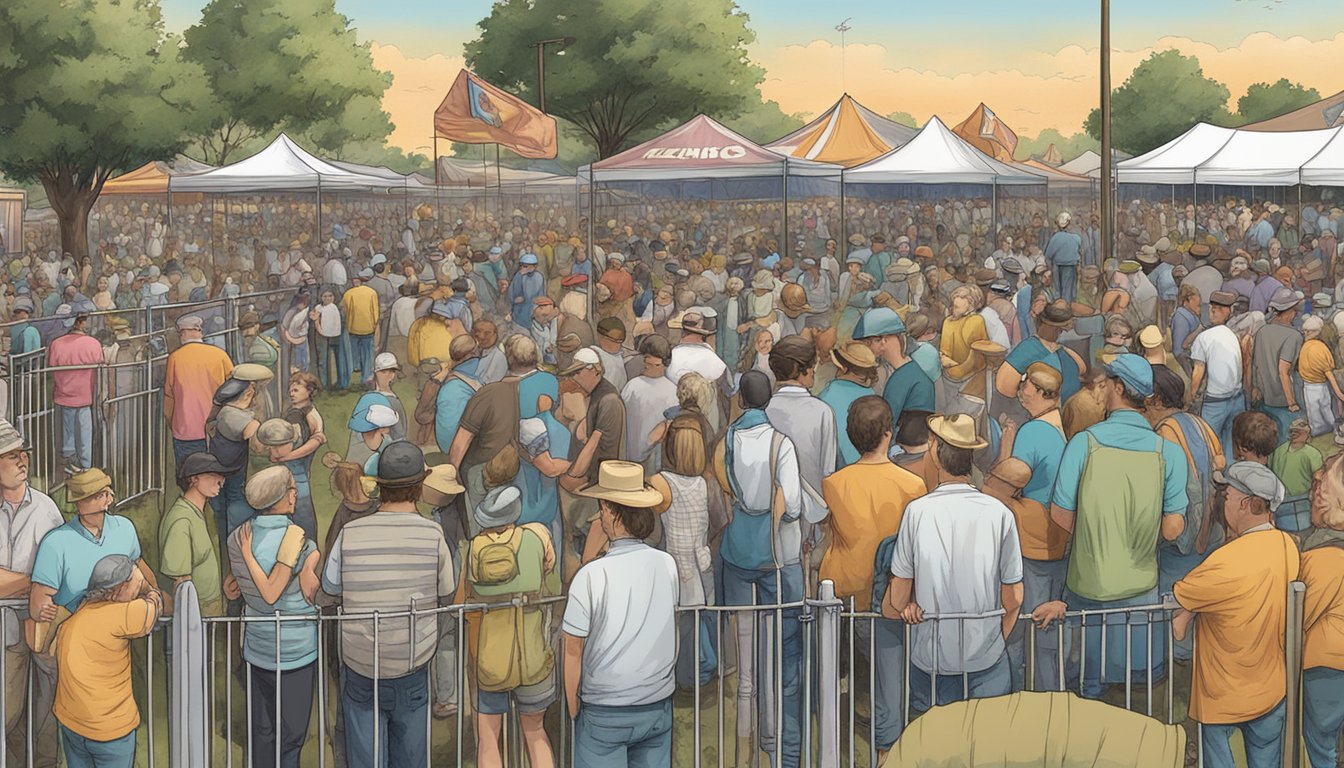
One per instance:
[(476, 112)]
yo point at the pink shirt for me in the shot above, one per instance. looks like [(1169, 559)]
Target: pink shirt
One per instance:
[(74, 389)]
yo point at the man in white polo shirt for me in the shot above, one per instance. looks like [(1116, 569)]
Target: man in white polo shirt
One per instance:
[(620, 631), (1217, 359)]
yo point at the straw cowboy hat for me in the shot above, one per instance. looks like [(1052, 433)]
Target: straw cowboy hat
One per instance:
[(622, 482), (957, 430), (793, 300)]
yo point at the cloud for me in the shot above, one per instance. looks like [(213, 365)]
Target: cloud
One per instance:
[(1042, 89), (418, 85)]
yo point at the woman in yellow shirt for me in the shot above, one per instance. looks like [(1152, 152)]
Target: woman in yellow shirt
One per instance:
[(1323, 616), (1316, 366), (962, 328)]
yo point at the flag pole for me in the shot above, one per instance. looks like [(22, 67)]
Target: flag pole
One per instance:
[(1107, 191)]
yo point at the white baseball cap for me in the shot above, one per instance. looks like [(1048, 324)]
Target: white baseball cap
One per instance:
[(386, 361)]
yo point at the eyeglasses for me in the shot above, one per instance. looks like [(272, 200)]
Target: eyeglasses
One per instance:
[(15, 455)]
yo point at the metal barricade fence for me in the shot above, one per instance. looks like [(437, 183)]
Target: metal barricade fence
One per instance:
[(148, 690)]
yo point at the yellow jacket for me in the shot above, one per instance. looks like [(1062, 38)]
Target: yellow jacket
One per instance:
[(429, 337)]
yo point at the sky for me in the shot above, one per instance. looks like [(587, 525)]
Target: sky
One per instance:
[(1035, 63)]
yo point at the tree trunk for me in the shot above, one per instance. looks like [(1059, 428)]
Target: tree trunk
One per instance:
[(72, 202), (608, 144)]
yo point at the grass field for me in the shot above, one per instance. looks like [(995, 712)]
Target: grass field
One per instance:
[(335, 409)]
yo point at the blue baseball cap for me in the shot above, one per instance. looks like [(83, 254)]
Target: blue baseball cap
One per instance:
[(1134, 371), (879, 321), (528, 258), (359, 419)]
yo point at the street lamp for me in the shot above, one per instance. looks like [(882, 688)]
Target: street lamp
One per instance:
[(563, 42)]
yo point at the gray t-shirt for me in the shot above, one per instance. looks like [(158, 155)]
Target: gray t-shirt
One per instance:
[(1273, 342)]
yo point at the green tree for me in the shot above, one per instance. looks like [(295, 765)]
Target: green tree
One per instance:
[(764, 121), (1069, 146), (293, 65), (1263, 100), (89, 89), (1165, 96), (631, 66), (904, 118)]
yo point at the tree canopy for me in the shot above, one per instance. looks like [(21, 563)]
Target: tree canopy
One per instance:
[(293, 65), (904, 118), (631, 67), (87, 90), (1265, 100), (1163, 97), (1069, 146)]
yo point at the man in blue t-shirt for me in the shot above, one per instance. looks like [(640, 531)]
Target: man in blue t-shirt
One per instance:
[(1044, 347), (908, 387), (1062, 254)]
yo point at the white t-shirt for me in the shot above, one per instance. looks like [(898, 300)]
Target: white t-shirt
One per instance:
[(698, 358), (959, 546), (624, 605), (402, 316), (645, 401), (1220, 352), (328, 321)]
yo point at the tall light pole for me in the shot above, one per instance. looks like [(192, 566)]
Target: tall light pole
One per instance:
[(842, 28), (563, 42), (1107, 191)]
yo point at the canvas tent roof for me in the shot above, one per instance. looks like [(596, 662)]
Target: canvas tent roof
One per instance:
[(938, 156), (847, 134), (461, 172), (281, 166), (1086, 164), (1054, 175), (1208, 154), (152, 177), (700, 149), (1326, 113), (987, 132)]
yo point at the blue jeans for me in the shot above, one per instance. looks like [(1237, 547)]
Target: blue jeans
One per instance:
[(1263, 737), (77, 436), (327, 348), (737, 587), (1066, 276), (1219, 415), (1172, 566), (1145, 662), (617, 737), (889, 681), (1322, 714), (184, 448), (231, 509), (997, 680), (361, 356), (81, 752), (1042, 581), (708, 662), (1282, 417), (403, 703)]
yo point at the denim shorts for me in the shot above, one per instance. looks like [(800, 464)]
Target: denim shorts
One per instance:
[(528, 699)]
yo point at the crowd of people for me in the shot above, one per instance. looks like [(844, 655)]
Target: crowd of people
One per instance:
[(678, 415)]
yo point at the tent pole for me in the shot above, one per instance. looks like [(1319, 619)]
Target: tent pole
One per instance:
[(784, 247), (436, 158), (841, 248), (170, 205), (994, 216), (318, 218), (590, 246), (1299, 210)]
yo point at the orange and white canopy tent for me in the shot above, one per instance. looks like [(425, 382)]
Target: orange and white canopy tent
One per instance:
[(984, 130), (152, 177), (847, 134)]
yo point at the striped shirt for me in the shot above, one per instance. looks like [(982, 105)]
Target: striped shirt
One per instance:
[(389, 562)]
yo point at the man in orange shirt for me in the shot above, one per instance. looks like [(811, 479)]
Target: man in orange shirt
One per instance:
[(193, 372), (866, 501), (1238, 598), (1323, 617)]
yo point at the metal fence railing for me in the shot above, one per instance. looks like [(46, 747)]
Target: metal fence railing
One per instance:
[(210, 720)]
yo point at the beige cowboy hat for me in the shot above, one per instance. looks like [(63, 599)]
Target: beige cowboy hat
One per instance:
[(623, 483), (957, 430)]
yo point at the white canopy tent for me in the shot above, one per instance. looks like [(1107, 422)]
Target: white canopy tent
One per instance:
[(938, 156), (1175, 162), (284, 166), (1327, 167), (1208, 154)]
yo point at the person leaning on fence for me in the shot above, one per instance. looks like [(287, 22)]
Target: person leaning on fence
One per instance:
[(66, 556), (95, 705), (761, 551), (1107, 498), (229, 430), (1323, 617), (391, 561), (185, 550), (191, 377), (511, 652), (1238, 602), (620, 643), (275, 566), (867, 500), (957, 549), (26, 516)]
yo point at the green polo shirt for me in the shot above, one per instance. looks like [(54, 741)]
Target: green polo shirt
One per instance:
[(185, 550)]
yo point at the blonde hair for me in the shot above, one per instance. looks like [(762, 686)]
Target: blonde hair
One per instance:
[(694, 391), (684, 446), (521, 352), (1327, 493)]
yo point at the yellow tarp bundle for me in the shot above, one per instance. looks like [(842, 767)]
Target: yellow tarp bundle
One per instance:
[(1042, 730)]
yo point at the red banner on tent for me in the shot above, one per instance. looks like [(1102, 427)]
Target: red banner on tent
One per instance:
[(476, 112)]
